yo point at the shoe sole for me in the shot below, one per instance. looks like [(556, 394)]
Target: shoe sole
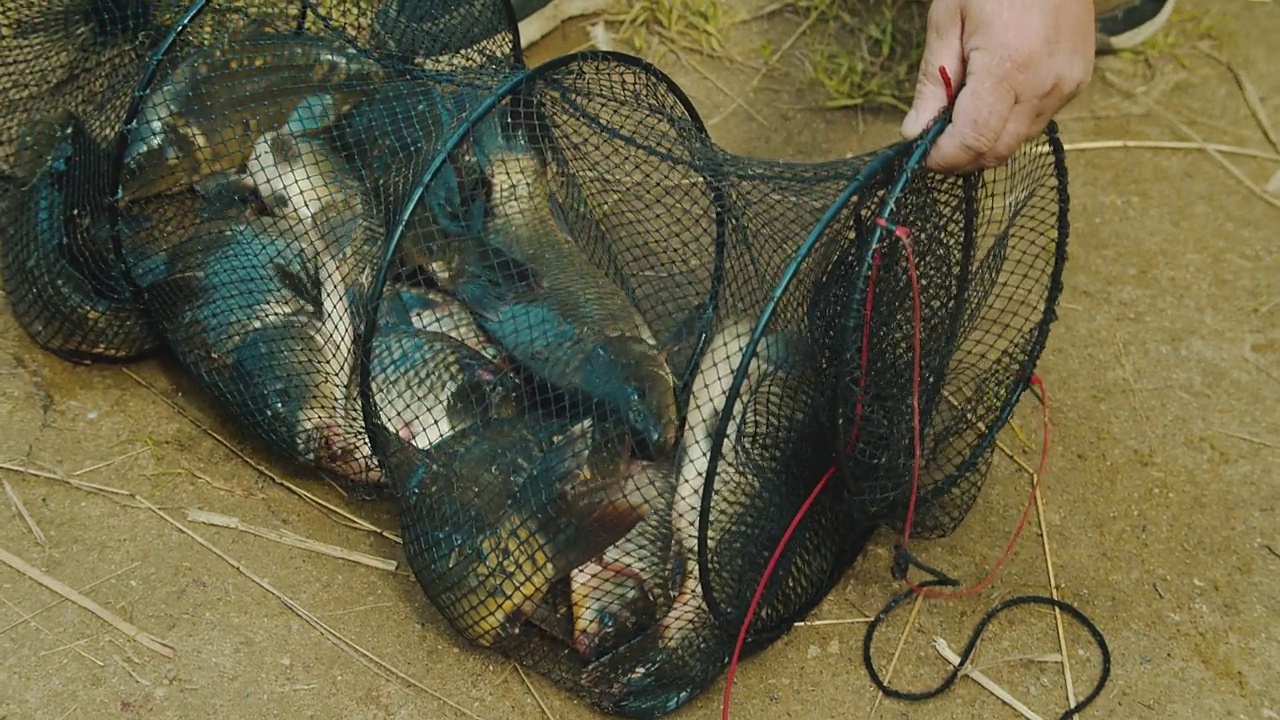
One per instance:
[(1132, 24), (538, 18)]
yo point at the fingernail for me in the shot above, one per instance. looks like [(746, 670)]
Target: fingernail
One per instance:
[(910, 124)]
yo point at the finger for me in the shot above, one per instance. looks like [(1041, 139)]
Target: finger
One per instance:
[(1023, 125), (982, 110), (1030, 117), (943, 47)]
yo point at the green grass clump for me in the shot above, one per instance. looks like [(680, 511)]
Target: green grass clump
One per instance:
[(866, 53), (689, 24)]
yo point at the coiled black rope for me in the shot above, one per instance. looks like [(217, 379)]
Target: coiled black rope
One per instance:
[(972, 644)]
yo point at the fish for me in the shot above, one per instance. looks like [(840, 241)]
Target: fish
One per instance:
[(205, 117), (260, 310), (67, 287), (428, 310), (295, 170), (154, 229), (493, 516), (433, 371), (390, 140), (616, 596), (679, 654), (554, 312), (428, 385)]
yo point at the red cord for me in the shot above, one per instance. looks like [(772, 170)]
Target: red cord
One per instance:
[(946, 82), (1038, 384), (804, 508), (903, 234)]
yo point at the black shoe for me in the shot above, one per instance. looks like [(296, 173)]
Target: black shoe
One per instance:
[(525, 8), (539, 18), (1131, 24)]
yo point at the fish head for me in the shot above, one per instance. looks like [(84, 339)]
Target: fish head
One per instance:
[(633, 377), (610, 606), (344, 449)]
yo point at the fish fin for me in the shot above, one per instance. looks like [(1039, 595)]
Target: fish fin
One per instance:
[(303, 283)]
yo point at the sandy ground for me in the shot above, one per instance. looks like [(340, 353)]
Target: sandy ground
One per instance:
[(1161, 503)]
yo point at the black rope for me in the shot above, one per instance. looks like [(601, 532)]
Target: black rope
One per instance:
[(969, 648), (904, 560)]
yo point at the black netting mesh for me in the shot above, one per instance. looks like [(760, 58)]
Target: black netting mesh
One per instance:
[(599, 362)]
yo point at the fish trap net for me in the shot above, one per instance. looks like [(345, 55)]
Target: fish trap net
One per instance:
[(629, 391)]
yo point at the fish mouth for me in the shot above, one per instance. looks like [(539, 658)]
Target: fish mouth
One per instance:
[(346, 452)]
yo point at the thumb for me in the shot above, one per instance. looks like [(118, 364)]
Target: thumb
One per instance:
[(943, 47)]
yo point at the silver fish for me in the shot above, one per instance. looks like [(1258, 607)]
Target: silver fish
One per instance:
[(204, 117), (498, 513), (561, 317), (296, 172), (616, 596), (433, 372), (667, 666)]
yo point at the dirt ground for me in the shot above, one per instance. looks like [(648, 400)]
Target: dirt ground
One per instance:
[(1160, 505)]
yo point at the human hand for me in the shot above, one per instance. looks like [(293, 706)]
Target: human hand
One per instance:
[(1020, 61)]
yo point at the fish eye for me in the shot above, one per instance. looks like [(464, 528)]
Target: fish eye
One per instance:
[(607, 619)]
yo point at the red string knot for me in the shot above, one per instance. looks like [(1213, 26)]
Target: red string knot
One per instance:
[(901, 232)]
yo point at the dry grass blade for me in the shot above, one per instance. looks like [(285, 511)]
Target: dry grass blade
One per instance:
[(760, 14), (108, 463), (132, 673), (202, 477), (1250, 439), (1250, 92), (893, 662), (69, 646), (945, 651), (344, 517), (842, 621), (285, 537), (1126, 367), (28, 616), (786, 46), (91, 487), (364, 657), (348, 611), (145, 639), (116, 495), (545, 710), (1264, 370), (1189, 132), (1053, 592), (26, 516), (1048, 553), (682, 57), (1048, 658), (72, 646), (1048, 563), (1170, 145)]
